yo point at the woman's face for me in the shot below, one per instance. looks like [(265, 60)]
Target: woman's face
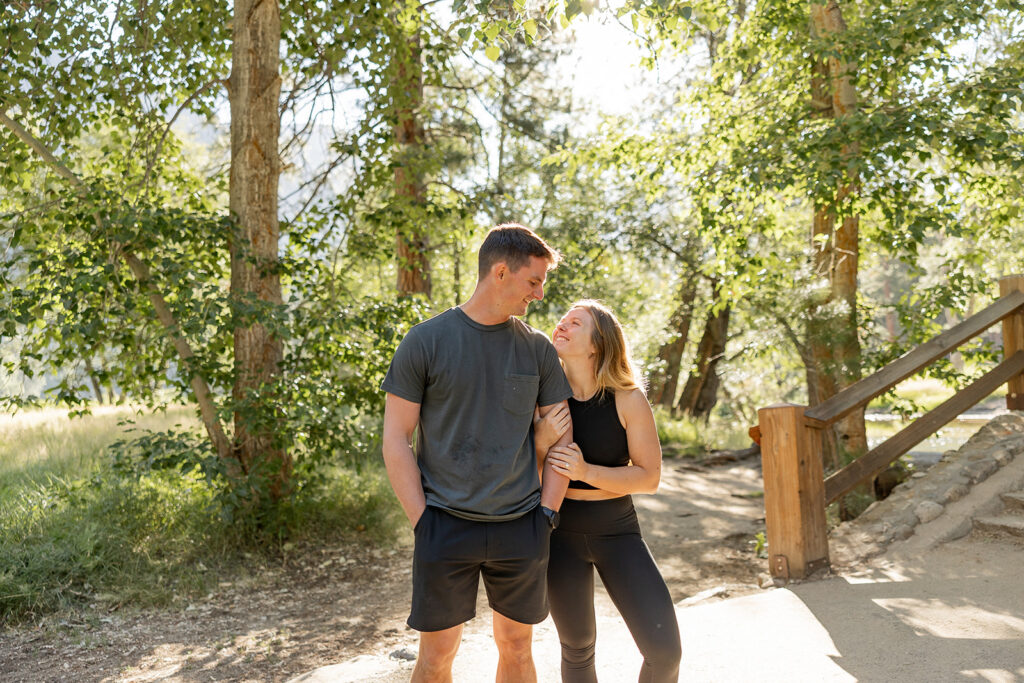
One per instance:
[(573, 334)]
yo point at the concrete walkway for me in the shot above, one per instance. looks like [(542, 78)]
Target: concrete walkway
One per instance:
[(952, 613)]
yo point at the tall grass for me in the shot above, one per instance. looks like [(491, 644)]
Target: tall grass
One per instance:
[(75, 531), (686, 437), (42, 444)]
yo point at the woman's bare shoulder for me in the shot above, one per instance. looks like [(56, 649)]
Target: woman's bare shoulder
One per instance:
[(631, 400)]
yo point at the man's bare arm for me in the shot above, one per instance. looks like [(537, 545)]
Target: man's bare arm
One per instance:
[(400, 420), (553, 484)]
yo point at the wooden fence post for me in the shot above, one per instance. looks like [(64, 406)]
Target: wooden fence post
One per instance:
[(794, 492), (1013, 341)]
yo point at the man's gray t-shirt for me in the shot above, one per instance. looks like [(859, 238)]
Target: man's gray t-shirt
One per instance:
[(477, 386)]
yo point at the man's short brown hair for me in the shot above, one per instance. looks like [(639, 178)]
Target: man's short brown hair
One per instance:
[(514, 244)]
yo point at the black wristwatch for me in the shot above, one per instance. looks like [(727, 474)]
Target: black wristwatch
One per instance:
[(551, 515)]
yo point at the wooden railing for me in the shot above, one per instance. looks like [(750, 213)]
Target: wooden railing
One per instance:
[(795, 489)]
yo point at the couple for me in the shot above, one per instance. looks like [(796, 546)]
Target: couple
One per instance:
[(496, 404)]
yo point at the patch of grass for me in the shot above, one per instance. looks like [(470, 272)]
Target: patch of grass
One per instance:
[(37, 445), (679, 437), (105, 538), (928, 392), (77, 532), (348, 506), (684, 437)]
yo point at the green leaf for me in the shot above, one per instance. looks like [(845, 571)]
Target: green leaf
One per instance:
[(493, 52), (530, 26)]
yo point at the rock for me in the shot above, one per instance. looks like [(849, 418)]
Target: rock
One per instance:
[(904, 517), (403, 653), (961, 529), (928, 510), (716, 592), (980, 470), (955, 492), (1001, 456)]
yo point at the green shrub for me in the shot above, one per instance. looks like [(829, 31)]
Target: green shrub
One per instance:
[(84, 529), (679, 436)]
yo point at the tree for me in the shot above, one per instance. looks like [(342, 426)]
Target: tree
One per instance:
[(832, 328), (407, 96), (206, 296), (254, 89)]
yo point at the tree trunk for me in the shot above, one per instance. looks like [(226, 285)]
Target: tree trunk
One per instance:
[(255, 89), (91, 372), (701, 390), (407, 98), (456, 271), (665, 382), (890, 315), (832, 327)]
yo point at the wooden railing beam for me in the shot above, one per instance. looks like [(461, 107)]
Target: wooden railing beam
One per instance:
[(856, 395), (878, 458)]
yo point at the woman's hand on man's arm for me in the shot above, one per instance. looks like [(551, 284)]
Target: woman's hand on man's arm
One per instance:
[(547, 430)]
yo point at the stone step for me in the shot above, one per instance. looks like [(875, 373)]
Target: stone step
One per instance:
[(1014, 500), (1007, 524)]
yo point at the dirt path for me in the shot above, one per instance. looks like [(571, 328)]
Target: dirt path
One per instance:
[(339, 603)]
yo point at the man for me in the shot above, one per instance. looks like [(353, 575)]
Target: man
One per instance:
[(470, 379)]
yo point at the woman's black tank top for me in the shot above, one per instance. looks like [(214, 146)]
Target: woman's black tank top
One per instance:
[(599, 434)]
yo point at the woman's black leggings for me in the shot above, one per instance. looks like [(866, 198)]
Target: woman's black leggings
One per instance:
[(606, 535)]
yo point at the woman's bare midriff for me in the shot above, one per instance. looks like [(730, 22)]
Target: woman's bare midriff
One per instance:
[(592, 494)]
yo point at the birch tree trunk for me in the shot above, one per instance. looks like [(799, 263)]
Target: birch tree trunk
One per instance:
[(254, 89)]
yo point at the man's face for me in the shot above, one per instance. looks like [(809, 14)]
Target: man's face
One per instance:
[(525, 285)]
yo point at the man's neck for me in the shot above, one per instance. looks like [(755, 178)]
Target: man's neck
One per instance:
[(484, 310)]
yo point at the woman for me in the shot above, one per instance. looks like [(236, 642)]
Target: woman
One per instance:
[(616, 453)]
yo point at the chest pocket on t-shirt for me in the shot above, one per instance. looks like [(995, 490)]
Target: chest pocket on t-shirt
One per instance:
[(520, 393)]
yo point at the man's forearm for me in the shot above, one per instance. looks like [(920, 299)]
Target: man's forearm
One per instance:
[(404, 475), (553, 484)]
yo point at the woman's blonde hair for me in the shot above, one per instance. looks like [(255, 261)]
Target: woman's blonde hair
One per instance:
[(612, 363)]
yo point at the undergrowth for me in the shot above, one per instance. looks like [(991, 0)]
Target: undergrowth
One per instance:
[(81, 532), (689, 438)]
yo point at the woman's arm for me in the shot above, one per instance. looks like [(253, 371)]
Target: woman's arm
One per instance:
[(644, 474)]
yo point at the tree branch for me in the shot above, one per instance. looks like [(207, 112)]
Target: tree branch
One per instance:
[(160, 145), (142, 274)]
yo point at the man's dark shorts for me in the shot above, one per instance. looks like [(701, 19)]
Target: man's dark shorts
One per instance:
[(451, 553)]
